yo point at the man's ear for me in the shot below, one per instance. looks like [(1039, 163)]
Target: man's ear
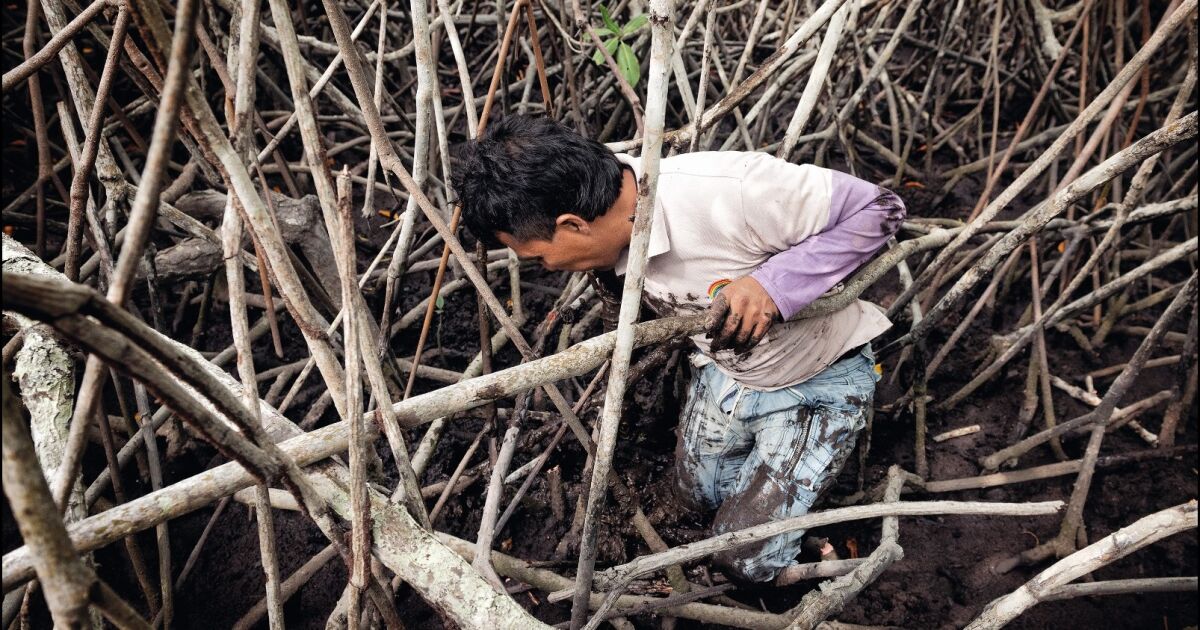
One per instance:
[(573, 223)]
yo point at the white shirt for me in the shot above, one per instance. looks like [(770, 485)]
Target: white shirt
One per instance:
[(719, 216)]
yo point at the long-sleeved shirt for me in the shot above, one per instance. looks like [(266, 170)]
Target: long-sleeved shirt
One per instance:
[(798, 230)]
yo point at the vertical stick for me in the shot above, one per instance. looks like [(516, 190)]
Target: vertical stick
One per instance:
[(495, 492), (368, 208), (28, 43), (132, 548), (426, 82), (243, 57), (662, 21), (536, 44), (310, 133), (1035, 275), (91, 145), (162, 539), (1184, 390), (460, 62), (360, 522), (702, 87)]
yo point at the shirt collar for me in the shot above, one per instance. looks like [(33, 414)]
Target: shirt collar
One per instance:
[(660, 241)]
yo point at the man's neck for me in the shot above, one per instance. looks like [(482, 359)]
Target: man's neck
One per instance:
[(618, 221), (622, 213)]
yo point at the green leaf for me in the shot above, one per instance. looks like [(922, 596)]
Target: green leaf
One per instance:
[(608, 21), (628, 63), (440, 303), (611, 45), (635, 24), (604, 31)]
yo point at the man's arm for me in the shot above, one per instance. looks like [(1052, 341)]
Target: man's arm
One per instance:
[(820, 230), (862, 216)]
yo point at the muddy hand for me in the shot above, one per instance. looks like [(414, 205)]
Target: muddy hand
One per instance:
[(740, 315)]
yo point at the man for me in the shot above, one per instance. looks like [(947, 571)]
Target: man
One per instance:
[(775, 405)]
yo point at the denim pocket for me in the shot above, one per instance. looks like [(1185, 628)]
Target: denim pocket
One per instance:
[(846, 391), (848, 394)]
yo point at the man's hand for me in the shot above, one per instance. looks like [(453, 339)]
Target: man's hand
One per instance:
[(740, 315)]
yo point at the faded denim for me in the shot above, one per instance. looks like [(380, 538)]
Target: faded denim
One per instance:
[(758, 456)]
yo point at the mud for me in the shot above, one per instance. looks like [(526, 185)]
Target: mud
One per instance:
[(895, 211)]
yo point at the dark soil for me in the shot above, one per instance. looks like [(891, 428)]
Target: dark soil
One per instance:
[(939, 583)]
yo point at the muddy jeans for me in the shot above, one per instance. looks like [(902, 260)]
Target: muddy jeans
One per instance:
[(758, 456)]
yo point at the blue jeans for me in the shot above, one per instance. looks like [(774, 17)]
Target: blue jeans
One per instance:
[(758, 456)]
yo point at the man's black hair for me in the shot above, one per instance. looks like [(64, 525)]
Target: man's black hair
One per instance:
[(525, 171)]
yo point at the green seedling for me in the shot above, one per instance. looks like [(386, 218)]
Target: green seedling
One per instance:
[(614, 41)]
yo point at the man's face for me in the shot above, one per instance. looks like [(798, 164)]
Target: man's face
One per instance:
[(575, 246)]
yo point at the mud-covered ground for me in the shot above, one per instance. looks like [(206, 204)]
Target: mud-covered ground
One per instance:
[(941, 582)]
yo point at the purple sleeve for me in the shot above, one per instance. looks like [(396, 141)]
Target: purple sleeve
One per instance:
[(862, 216)]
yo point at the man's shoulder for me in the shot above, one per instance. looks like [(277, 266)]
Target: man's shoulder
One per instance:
[(701, 164), (738, 165), (728, 164)]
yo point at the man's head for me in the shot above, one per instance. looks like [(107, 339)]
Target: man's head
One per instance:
[(544, 191)]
